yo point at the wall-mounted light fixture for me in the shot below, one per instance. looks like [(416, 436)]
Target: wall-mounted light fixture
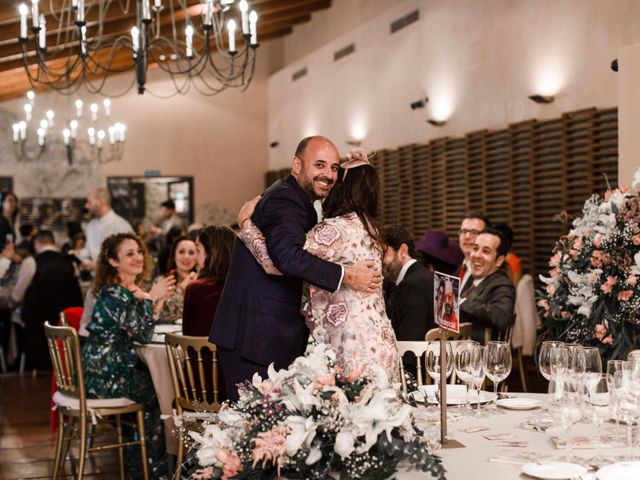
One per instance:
[(614, 65), (419, 103), (437, 123), (274, 144), (542, 98), (354, 143)]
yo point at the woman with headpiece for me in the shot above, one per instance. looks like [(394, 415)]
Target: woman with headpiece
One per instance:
[(354, 324)]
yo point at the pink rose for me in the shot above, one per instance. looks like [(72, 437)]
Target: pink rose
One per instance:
[(555, 272), (636, 239), (599, 258), (544, 304), (555, 260), (551, 290), (624, 188), (260, 249), (266, 388), (607, 195), (608, 285), (597, 241), (602, 335), (632, 280), (231, 464), (337, 314), (326, 234), (625, 295), (328, 380)]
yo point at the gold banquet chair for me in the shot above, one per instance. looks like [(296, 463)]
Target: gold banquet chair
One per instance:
[(75, 410), (189, 358)]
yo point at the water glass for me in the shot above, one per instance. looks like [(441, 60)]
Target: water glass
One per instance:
[(565, 405), (545, 357), (463, 368), (600, 405), (497, 364), (477, 370), (627, 402), (432, 362)]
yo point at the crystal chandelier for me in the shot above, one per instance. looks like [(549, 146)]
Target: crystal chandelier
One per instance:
[(81, 42), (104, 139)]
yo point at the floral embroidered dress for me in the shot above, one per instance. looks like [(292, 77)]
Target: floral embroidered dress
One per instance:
[(112, 368), (354, 324)]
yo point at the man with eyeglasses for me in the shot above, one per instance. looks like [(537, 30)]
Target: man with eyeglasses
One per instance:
[(472, 224)]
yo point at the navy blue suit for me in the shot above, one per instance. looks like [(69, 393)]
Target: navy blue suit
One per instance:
[(258, 320)]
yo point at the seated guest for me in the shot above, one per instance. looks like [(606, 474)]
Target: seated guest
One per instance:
[(472, 224), (410, 303), (123, 314), (513, 262), (488, 297), (214, 245), (170, 219), (165, 250), (182, 266), (439, 254)]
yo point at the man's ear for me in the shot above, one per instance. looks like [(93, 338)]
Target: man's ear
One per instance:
[(500, 260), (296, 165), (404, 250)]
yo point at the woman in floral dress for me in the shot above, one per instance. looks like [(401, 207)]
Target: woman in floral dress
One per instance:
[(123, 314), (355, 324)]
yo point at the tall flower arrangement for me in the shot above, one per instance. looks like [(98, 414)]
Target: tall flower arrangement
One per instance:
[(592, 293), (311, 421)]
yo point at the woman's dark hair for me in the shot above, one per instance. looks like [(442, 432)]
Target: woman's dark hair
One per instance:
[(171, 261), (358, 192), (15, 213), (106, 274), (218, 244)]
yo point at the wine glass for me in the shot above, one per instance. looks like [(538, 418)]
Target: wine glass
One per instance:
[(544, 359), (432, 362), (592, 366), (462, 366), (627, 401), (614, 366), (497, 365), (476, 364), (565, 405), (577, 360), (600, 403)]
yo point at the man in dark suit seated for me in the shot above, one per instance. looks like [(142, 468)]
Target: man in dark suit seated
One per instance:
[(410, 303), (488, 297), (258, 320)]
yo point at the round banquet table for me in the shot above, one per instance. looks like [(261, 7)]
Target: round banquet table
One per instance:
[(483, 459)]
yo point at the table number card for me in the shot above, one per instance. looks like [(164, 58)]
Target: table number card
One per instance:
[(446, 301)]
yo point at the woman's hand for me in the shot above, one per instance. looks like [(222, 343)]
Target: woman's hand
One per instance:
[(163, 288), (187, 280), (247, 210), (139, 293)]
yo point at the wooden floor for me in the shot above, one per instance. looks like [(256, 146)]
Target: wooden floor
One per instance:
[(26, 447)]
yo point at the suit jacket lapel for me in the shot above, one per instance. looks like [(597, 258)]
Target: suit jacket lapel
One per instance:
[(312, 214)]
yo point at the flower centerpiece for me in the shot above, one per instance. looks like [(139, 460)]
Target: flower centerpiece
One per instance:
[(313, 421), (592, 294)]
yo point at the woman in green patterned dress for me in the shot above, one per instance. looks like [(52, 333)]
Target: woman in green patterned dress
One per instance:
[(123, 314)]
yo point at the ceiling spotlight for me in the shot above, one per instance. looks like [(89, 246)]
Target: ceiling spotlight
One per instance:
[(614, 65), (436, 123), (354, 143), (541, 98), (274, 144), (419, 103)]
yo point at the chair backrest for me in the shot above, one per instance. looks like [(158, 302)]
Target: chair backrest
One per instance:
[(436, 333), (64, 348), (70, 317), (194, 372)]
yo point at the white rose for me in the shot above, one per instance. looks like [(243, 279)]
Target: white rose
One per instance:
[(344, 444)]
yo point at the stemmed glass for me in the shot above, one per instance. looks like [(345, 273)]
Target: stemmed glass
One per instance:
[(614, 366), (549, 356), (600, 403), (432, 362), (462, 366), (592, 372), (565, 405), (497, 365), (627, 402), (476, 369)]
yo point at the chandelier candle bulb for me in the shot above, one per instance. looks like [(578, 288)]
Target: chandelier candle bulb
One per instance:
[(41, 137), (189, 37), (91, 132), (80, 12), (35, 15), (157, 4), (244, 9), (16, 132), (94, 111), (74, 3), (231, 26), (112, 135), (74, 128), (42, 34), (100, 139), (83, 40), (23, 130), (50, 116), (27, 111), (66, 134), (208, 12), (24, 11), (107, 107), (44, 124), (135, 39), (31, 96), (146, 11), (79, 105), (253, 20)]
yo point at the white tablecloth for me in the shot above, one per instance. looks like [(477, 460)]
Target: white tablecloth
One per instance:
[(472, 461), (154, 356)]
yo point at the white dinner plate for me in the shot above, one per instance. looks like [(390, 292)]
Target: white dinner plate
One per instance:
[(166, 328), (178, 322), (519, 403), (456, 395), (554, 470), (620, 471)]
